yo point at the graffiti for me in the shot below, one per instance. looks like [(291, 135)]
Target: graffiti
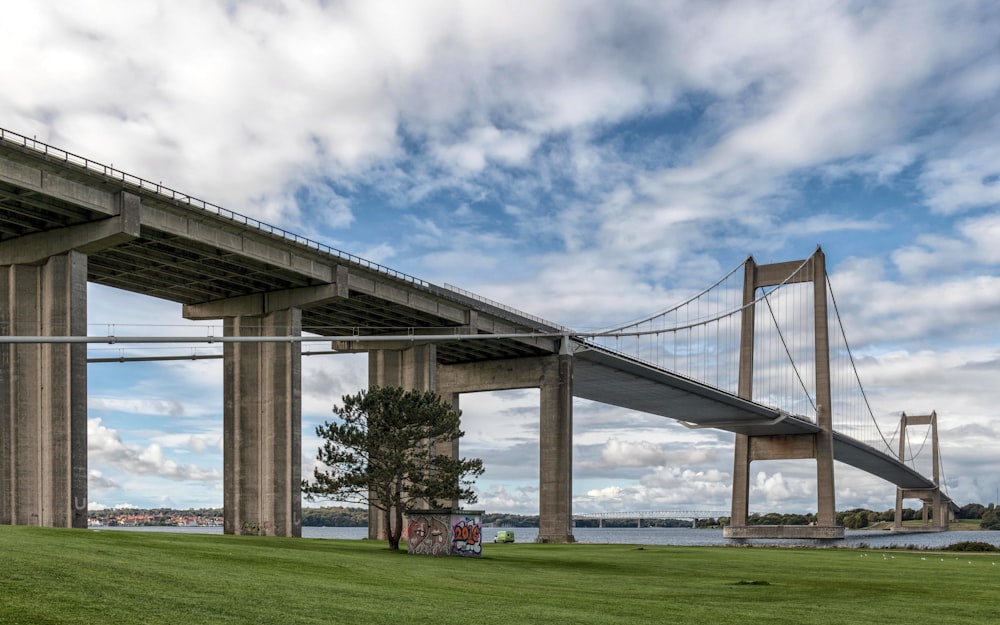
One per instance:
[(427, 534), (467, 536), (442, 533), (255, 529)]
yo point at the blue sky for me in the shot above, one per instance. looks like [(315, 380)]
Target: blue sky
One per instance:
[(587, 162)]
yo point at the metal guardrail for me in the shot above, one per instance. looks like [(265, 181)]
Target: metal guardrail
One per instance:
[(506, 308), (110, 173), (167, 193)]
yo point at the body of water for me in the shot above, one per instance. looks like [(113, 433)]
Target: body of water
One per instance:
[(681, 536)]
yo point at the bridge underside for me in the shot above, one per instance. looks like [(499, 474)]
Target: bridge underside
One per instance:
[(129, 234), (608, 378)]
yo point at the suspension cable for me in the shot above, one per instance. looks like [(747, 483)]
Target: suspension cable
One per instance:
[(913, 456), (854, 367), (675, 307), (791, 359), (690, 324)]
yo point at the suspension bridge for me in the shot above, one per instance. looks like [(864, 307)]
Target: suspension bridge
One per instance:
[(649, 515), (760, 353)]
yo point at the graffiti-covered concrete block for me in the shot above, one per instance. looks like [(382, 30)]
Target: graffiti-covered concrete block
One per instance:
[(445, 532)]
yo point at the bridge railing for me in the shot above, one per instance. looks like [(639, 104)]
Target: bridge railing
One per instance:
[(167, 193), (177, 197), (509, 309)]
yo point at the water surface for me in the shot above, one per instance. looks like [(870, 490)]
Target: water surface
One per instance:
[(681, 536)]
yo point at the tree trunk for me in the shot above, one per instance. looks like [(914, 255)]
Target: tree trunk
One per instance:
[(390, 534), (395, 528)]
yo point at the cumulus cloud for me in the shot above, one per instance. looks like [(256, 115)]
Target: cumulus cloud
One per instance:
[(617, 453), (518, 500), (97, 480), (106, 448), (167, 408), (95, 506)]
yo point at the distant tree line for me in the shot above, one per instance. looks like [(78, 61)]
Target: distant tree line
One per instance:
[(989, 516), (857, 518), (335, 517)]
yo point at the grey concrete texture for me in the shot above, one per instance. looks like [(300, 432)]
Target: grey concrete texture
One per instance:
[(43, 394)]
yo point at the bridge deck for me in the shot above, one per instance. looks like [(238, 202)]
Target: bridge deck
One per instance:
[(190, 252), (608, 378)]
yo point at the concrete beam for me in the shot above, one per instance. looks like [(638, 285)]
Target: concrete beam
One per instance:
[(495, 375), (778, 273), (210, 230), (784, 447), (265, 303), (43, 394), (401, 293), (88, 238), (55, 186), (365, 346)]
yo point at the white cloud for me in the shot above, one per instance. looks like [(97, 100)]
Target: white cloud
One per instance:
[(166, 408), (106, 448), (617, 453), (521, 500), (97, 480)]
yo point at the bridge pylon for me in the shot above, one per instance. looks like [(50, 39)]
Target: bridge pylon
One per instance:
[(938, 510), (818, 445)]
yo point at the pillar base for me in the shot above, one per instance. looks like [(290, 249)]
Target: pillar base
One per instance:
[(919, 529), (817, 532), (556, 539)]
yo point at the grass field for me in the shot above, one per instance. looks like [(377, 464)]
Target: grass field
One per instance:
[(79, 576)]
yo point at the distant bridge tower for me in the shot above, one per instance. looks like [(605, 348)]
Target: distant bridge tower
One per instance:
[(793, 446), (939, 506)]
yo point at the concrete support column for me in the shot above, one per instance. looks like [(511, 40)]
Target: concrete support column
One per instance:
[(740, 508), (897, 521), (555, 493), (43, 394), (263, 426), (414, 368), (826, 498)]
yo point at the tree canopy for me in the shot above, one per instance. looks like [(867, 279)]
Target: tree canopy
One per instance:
[(391, 449)]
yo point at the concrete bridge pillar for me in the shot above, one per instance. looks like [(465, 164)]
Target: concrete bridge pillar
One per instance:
[(262, 420), (43, 394), (555, 488), (936, 507), (553, 376), (413, 368), (43, 387), (262, 446), (818, 446)]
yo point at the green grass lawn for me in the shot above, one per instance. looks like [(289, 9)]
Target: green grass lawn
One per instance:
[(114, 577)]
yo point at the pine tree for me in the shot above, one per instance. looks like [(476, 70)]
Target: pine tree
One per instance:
[(384, 450)]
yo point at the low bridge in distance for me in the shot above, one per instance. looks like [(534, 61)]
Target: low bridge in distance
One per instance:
[(650, 515)]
